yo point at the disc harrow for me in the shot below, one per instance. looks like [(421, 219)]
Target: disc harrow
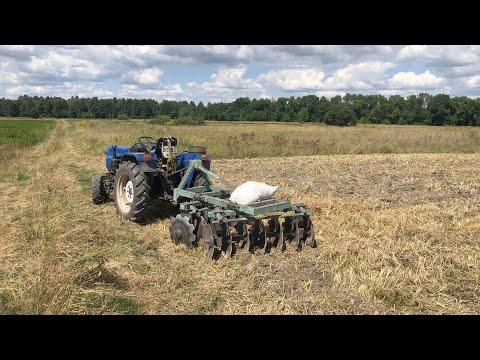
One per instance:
[(225, 228)]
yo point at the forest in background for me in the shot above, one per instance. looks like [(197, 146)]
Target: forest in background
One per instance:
[(421, 109)]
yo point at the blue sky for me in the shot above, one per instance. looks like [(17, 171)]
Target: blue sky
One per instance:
[(223, 73)]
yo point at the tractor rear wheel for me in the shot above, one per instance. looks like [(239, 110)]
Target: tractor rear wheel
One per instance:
[(131, 191), (99, 194)]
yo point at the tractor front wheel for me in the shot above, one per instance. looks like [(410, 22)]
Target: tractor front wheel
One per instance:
[(99, 194), (131, 191)]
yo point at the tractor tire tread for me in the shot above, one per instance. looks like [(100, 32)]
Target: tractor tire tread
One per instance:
[(98, 193)]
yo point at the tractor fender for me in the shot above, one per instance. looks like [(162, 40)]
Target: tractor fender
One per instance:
[(145, 167)]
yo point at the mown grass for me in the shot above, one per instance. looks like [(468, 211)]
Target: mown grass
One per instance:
[(83, 176), (239, 140)]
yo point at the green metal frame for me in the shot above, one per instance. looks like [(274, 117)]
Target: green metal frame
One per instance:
[(216, 196)]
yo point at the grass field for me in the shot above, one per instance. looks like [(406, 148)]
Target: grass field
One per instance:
[(229, 141), (24, 132), (397, 233)]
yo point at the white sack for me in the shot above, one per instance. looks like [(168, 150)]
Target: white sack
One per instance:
[(252, 191)]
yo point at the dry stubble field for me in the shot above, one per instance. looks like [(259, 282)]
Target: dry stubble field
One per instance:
[(397, 233)]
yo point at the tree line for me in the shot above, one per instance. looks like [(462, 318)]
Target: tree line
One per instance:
[(350, 109)]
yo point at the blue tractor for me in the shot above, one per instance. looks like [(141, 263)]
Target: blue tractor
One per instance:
[(152, 169), (149, 169)]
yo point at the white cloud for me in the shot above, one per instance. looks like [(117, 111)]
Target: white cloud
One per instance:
[(17, 51), (294, 79), (65, 90), (227, 84), (66, 66), (195, 54), (7, 76), (473, 81), (359, 76), (440, 55), (230, 78), (145, 55), (410, 80), (335, 54), (279, 70), (161, 92), (144, 76), (413, 51)]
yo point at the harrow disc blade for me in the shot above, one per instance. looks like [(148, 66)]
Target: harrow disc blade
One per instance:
[(218, 231), (227, 243), (288, 229), (257, 237), (241, 231), (209, 241), (296, 239), (229, 249), (276, 241), (181, 230), (279, 243), (199, 224), (309, 233), (262, 242), (245, 245)]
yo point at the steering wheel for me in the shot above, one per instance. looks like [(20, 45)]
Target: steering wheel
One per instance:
[(147, 145)]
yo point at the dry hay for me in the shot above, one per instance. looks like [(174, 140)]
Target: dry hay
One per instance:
[(396, 234)]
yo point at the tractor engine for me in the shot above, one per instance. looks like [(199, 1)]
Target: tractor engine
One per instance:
[(166, 151)]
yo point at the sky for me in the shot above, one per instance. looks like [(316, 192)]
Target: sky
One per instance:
[(214, 73)]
